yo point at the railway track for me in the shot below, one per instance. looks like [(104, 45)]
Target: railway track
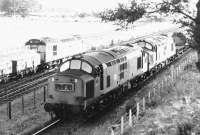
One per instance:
[(14, 84), (26, 86)]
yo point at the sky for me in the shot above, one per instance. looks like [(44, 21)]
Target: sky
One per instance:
[(90, 5), (82, 5)]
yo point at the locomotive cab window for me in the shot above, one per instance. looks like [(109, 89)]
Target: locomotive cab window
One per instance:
[(141, 43), (149, 46), (75, 64), (54, 47), (54, 50), (86, 67), (64, 66)]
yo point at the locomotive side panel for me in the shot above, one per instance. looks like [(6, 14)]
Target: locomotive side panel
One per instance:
[(111, 78), (135, 64), (166, 49)]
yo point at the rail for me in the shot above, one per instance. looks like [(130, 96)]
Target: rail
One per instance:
[(42, 130), (12, 93)]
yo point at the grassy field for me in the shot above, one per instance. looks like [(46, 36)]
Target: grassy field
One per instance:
[(16, 31)]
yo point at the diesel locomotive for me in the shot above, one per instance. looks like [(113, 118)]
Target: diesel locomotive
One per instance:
[(88, 81)]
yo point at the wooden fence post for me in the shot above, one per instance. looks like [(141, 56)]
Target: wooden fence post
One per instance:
[(122, 125), (166, 80), (149, 96), (138, 111), (44, 94), (130, 118), (22, 104), (9, 109), (154, 92), (34, 94), (112, 132), (143, 104), (162, 84)]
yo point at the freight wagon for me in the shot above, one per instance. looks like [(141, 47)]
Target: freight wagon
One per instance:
[(17, 64)]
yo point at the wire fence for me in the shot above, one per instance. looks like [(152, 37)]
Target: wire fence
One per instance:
[(36, 96)]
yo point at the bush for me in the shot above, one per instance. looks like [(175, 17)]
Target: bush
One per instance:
[(184, 129), (153, 104)]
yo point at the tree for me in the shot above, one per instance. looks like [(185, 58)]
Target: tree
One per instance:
[(135, 11), (124, 15), (6, 7), (19, 7)]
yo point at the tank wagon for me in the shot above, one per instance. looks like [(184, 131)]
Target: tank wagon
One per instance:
[(91, 80)]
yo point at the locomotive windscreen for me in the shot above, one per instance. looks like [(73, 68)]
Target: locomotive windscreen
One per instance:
[(76, 64)]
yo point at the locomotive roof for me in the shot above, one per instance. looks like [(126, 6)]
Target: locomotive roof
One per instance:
[(42, 42), (46, 40), (107, 55), (35, 42), (157, 40)]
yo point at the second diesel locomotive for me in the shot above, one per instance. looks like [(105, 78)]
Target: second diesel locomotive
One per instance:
[(86, 82)]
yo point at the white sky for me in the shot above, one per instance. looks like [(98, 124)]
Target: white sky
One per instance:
[(82, 5)]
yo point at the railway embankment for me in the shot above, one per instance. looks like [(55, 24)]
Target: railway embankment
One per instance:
[(23, 118)]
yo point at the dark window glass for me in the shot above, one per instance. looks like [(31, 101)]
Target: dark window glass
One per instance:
[(108, 81), (54, 53), (55, 48), (108, 64), (121, 67), (125, 65), (64, 87), (113, 62), (139, 62), (121, 75)]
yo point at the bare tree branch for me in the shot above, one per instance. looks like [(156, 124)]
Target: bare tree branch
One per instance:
[(181, 11)]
